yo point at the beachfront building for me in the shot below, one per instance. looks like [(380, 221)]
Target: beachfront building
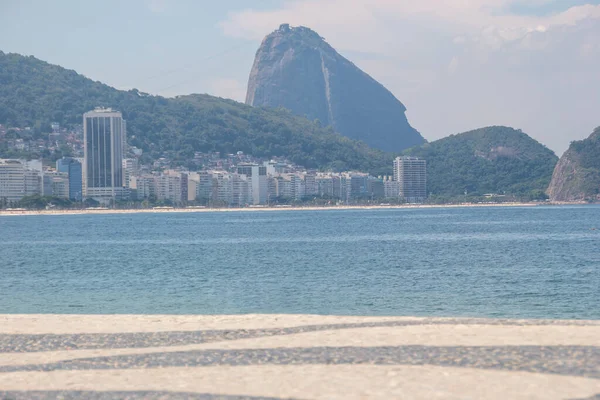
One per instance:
[(204, 189), (358, 186), (73, 169), (55, 184), (103, 155), (241, 190), (143, 186), (411, 175), (130, 168), (310, 184), (19, 178), (391, 188), (375, 188), (12, 180), (172, 186), (257, 175)]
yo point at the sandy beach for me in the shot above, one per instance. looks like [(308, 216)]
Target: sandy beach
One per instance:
[(256, 209), (296, 356)]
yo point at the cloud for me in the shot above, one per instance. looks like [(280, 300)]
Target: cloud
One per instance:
[(333, 16), (468, 63)]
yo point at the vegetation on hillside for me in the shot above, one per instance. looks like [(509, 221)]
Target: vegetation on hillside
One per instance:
[(588, 154), (495, 159), (35, 93), (588, 150), (577, 176)]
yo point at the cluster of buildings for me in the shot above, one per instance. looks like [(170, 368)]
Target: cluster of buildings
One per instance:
[(106, 174), (20, 178), (261, 184)]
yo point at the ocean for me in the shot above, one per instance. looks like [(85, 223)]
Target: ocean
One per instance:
[(503, 262)]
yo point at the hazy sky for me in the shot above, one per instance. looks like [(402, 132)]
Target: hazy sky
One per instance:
[(455, 64)]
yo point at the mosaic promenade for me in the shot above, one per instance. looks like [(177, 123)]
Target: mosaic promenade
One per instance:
[(296, 357)]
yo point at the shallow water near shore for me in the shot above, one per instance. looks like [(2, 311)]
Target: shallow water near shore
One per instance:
[(510, 262)]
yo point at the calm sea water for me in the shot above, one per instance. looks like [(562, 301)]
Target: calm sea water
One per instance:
[(541, 262)]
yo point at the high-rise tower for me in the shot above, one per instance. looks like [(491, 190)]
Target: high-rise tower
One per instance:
[(411, 175), (103, 154)]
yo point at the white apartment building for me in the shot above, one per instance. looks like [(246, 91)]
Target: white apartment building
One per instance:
[(391, 189), (257, 174), (169, 186), (144, 186), (130, 168), (222, 188), (287, 186), (18, 179), (411, 173), (12, 180), (241, 190)]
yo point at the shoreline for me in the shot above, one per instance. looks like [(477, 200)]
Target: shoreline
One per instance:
[(266, 209)]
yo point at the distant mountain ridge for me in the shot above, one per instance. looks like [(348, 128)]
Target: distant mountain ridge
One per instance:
[(35, 92), (297, 69), (491, 160), (577, 174)]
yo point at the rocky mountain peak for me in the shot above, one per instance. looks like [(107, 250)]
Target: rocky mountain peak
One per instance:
[(297, 69)]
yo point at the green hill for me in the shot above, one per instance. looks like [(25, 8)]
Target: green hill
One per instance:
[(35, 93), (577, 174), (495, 159)]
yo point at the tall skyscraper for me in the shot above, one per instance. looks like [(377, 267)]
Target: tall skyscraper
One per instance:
[(73, 168), (411, 175), (103, 154)]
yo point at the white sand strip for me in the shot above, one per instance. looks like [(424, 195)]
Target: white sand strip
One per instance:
[(259, 209)]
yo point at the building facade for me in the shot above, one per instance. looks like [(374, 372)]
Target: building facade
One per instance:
[(391, 188), (55, 184), (130, 168), (411, 175), (73, 169), (257, 175), (12, 180), (103, 155)]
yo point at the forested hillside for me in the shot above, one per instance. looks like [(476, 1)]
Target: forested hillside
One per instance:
[(495, 159), (35, 93)]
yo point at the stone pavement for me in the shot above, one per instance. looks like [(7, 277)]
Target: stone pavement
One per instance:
[(296, 357)]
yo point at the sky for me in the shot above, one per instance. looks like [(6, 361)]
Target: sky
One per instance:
[(456, 65)]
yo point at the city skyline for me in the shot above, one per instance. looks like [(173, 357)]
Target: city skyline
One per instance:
[(109, 173)]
